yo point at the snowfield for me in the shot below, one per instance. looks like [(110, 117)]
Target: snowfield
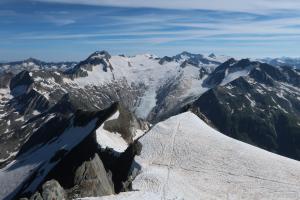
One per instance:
[(146, 70), (184, 158), (111, 140), (127, 196)]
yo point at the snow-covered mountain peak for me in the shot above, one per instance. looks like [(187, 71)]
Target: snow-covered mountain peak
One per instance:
[(184, 158)]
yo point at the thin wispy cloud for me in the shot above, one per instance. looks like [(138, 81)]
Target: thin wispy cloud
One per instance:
[(164, 27), (253, 6)]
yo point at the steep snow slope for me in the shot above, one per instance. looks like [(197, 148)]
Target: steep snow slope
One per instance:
[(184, 158)]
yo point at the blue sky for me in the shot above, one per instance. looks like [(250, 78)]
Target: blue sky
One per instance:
[(59, 30)]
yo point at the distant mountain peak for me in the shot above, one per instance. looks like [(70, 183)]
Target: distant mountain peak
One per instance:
[(212, 55), (230, 61), (185, 53), (100, 55), (33, 60)]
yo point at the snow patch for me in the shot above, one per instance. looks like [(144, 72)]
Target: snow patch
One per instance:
[(234, 75), (111, 140)]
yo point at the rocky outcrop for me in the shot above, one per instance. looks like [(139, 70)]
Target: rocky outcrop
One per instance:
[(26, 99), (126, 124), (46, 147), (193, 59), (53, 190), (91, 179), (94, 60), (121, 165), (36, 196), (21, 84)]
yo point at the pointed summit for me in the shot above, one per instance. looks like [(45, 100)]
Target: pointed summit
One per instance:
[(212, 55), (32, 60), (100, 55)]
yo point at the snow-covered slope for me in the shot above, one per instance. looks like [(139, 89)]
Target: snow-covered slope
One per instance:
[(153, 88), (109, 139), (184, 158), (137, 195), (145, 73)]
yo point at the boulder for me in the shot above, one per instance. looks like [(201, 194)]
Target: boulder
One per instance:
[(91, 179), (52, 190)]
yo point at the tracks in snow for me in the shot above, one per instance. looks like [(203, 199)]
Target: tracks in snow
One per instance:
[(170, 161)]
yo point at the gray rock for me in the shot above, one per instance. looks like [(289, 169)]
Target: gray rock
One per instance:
[(91, 179), (36, 196), (126, 124), (53, 190)]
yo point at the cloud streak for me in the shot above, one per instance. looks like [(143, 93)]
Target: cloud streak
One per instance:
[(252, 6), (135, 25)]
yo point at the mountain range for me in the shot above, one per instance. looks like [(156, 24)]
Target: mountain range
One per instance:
[(111, 124)]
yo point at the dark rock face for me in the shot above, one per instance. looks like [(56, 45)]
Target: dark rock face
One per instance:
[(126, 124), (75, 127), (21, 84), (230, 66), (94, 60), (121, 166), (21, 104), (193, 59), (29, 101), (26, 98), (261, 109), (64, 171), (91, 179), (78, 172)]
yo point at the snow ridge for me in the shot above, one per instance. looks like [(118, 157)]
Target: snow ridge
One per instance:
[(195, 161)]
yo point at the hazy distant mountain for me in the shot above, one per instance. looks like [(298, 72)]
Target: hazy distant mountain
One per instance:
[(33, 64), (283, 61)]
